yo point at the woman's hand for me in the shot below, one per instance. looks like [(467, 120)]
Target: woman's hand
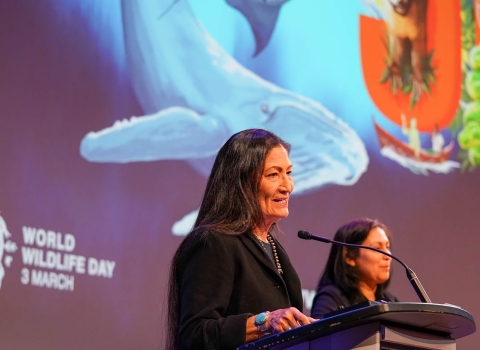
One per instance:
[(285, 319), (277, 321)]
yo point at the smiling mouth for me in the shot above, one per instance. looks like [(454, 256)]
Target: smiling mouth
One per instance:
[(281, 201)]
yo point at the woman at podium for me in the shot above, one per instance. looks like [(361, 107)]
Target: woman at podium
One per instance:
[(230, 280), (354, 275)]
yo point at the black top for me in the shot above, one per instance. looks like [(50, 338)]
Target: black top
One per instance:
[(330, 298), (224, 279)]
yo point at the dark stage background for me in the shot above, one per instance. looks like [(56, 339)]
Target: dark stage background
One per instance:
[(91, 211)]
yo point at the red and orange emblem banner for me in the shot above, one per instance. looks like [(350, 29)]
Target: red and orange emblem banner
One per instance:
[(435, 39)]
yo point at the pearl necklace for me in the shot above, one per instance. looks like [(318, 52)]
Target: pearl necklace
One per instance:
[(274, 251)]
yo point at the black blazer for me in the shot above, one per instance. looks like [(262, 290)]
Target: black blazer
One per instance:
[(330, 298), (224, 279)]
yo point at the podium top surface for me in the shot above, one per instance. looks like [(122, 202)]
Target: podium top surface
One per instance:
[(445, 319)]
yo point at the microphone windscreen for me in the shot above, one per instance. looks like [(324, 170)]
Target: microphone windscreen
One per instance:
[(304, 234)]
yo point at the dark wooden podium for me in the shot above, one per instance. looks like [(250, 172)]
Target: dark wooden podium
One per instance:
[(379, 326)]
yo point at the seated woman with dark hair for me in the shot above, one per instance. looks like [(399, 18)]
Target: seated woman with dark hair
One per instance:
[(354, 275)]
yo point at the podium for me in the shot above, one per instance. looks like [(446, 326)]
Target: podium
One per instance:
[(379, 326)]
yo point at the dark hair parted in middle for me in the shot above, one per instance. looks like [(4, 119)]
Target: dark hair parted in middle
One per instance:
[(230, 203), (338, 272)]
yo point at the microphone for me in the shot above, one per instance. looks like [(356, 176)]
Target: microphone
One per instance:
[(412, 277)]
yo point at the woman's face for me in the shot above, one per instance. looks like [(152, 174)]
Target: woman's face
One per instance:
[(374, 267), (276, 185)]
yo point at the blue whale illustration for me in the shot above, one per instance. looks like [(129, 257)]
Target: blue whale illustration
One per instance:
[(195, 96)]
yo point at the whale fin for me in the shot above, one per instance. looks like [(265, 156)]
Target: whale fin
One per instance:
[(325, 149), (262, 16), (173, 133), (183, 226)]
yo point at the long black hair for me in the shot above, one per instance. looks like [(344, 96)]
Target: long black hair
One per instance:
[(230, 202), (338, 272)]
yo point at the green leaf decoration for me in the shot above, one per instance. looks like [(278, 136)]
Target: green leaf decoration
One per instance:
[(407, 88), (385, 75)]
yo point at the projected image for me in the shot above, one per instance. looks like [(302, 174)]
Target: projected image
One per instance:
[(413, 77), (195, 96)]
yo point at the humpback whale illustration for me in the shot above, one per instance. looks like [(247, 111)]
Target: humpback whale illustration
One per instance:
[(195, 96)]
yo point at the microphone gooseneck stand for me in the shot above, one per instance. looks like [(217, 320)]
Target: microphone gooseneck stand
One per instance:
[(412, 277)]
